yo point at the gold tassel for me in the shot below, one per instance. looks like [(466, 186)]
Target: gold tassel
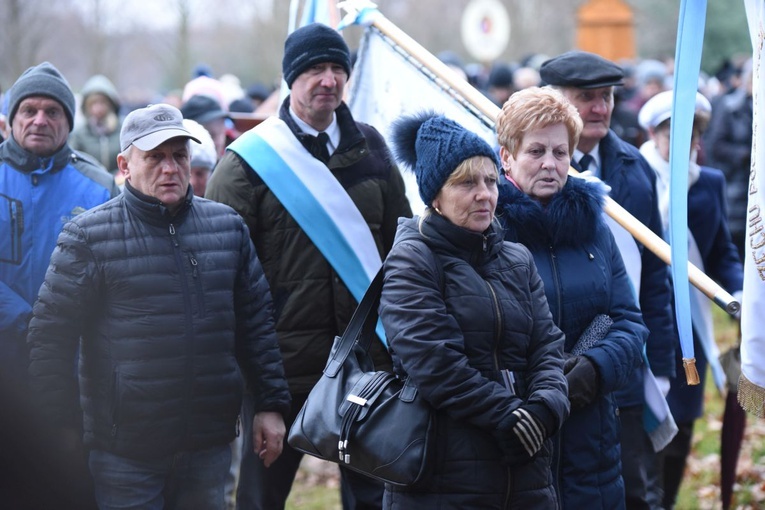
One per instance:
[(751, 397), (691, 374)]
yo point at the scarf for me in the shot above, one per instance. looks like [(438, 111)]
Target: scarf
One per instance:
[(661, 167)]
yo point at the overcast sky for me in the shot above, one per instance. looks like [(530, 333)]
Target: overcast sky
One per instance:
[(118, 14)]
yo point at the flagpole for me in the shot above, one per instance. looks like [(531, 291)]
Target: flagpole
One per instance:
[(366, 13)]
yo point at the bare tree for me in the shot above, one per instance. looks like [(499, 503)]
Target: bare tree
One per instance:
[(26, 28), (246, 37)]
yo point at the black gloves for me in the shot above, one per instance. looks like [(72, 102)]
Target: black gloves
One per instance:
[(583, 384), (521, 437)]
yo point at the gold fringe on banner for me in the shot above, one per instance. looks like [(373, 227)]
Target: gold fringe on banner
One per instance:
[(691, 374), (751, 397)]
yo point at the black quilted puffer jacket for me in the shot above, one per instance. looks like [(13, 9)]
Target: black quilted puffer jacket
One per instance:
[(452, 334), (172, 312)]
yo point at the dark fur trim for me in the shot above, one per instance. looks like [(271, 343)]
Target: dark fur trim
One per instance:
[(570, 219)]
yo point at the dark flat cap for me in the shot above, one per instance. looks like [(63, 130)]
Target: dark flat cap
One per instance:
[(582, 70)]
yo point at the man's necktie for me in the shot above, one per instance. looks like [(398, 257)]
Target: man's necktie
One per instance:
[(584, 162), (320, 150)]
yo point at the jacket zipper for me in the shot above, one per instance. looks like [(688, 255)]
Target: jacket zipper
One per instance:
[(188, 323), (116, 401), (198, 284), (497, 337), (17, 228), (559, 300)]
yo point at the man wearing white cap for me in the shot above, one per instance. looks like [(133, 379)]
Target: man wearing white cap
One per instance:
[(165, 298), (711, 249)]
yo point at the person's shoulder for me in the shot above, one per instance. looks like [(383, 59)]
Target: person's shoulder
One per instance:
[(367, 129), (518, 253), (711, 175), (89, 167), (231, 174), (213, 207), (613, 142), (105, 214), (216, 211), (628, 154)]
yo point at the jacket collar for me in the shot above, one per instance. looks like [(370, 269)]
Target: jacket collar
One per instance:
[(444, 236), (22, 160), (350, 136), (154, 211), (569, 219), (613, 157)]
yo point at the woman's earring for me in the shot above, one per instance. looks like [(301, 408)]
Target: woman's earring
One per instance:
[(438, 211)]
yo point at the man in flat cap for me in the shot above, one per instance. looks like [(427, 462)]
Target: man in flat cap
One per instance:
[(310, 161), (163, 295), (588, 80)]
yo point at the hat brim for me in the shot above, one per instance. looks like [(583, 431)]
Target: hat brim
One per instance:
[(607, 83), (157, 138)]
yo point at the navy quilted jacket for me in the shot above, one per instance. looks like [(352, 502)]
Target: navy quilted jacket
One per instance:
[(173, 311), (583, 276)]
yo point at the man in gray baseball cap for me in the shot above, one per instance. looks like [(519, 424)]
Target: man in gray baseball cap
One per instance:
[(148, 127), (164, 295), (164, 174)]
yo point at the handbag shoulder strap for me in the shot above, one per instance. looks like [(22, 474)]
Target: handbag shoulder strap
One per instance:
[(361, 326)]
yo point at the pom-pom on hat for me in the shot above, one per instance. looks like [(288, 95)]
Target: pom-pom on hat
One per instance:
[(42, 80), (310, 45), (433, 146)]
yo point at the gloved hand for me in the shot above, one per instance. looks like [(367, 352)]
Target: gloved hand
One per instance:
[(521, 437), (582, 380)]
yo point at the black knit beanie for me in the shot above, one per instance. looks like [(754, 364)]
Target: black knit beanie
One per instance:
[(42, 80), (310, 45)]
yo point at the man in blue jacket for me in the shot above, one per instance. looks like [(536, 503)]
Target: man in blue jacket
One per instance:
[(588, 80), (43, 184)]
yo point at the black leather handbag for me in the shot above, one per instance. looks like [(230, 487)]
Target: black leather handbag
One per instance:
[(365, 420)]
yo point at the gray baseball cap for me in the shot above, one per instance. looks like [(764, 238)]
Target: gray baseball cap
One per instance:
[(149, 127)]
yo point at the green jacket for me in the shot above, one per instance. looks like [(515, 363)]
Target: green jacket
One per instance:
[(311, 303)]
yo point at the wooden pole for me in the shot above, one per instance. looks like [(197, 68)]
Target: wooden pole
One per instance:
[(640, 232)]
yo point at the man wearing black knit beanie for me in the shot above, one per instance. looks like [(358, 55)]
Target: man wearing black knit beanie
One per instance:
[(315, 137), (43, 184)]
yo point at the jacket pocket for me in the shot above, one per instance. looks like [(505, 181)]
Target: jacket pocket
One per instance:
[(12, 214)]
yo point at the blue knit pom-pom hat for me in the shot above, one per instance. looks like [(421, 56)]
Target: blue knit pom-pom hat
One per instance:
[(433, 146)]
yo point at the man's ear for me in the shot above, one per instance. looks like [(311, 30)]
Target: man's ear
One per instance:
[(122, 165)]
